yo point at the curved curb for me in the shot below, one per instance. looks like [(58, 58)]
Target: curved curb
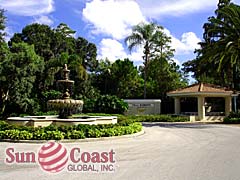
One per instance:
[(77, 140)]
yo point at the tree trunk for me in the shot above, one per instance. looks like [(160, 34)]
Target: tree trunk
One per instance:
[(145, 79), (145, 74), (234, 81), (4, 98), (146, 58)]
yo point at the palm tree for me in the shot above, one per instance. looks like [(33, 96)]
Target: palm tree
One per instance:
[(223, 46), (144, 35)]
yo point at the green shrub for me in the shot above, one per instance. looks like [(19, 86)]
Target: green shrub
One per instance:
[(89, 105), (16, 134), (74, 135), (181, 119), (234, 115), (157, 118), (84, 128), (66, 129), (119, 131), (51, 94), (50, 128), (105, 104), (111, 104), (4, 125), (108, 132), (126, 120), (39, 134), (2, 135), (232, 118), (94, 132), (24, 128), (56, 135)]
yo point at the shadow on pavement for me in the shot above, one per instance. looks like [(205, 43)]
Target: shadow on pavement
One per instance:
[(182, 125)]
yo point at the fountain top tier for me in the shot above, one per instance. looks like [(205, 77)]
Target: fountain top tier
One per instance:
[(65, 106), (65, 79)]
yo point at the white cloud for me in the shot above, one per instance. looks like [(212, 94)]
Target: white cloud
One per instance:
[(111, 49), (136, 56), (111, 17), (156, 8), (186, 45), (28, 7), (9, 33), (44, 20)]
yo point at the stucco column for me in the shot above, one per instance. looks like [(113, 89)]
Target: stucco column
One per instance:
[(177, 105), (228, 105), (201, 108), (235, 103)]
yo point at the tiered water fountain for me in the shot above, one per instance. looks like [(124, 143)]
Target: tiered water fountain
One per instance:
[(66, 107)]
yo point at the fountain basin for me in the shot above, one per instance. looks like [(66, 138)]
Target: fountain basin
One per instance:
[(65, 107), (65, 103), (43, 121)]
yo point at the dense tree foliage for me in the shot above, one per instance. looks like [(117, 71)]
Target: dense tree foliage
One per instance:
[(4, 55), (31, 64), (164, 76), (120, 78), (17, 76), (217, 60), (2, 25)]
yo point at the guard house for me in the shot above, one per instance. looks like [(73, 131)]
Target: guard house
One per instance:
[(201, 92)]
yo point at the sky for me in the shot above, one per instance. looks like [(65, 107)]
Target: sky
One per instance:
[(108, 22)]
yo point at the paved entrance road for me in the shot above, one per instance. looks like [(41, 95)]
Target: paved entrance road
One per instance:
[(164, 152)]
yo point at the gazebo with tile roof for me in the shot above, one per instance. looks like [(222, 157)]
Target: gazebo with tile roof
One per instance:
[(201, 91)]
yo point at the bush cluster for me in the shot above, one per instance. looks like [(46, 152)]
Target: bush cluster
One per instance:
[(81, 131), (105, 104), (232, 118)]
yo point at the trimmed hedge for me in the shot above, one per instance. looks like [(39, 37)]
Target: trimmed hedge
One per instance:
[(152, 118), (81, 131)]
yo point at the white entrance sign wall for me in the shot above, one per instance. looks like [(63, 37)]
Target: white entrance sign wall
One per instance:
[(143, 106)]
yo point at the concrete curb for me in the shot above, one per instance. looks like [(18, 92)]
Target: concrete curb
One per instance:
[(76, 140)]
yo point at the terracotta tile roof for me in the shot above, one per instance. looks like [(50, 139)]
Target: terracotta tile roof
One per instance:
[(201, 87)]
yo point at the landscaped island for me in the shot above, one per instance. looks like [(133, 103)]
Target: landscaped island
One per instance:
[(125, 125)]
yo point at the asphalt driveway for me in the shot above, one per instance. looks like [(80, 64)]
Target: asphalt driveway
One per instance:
[(164, 152)]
